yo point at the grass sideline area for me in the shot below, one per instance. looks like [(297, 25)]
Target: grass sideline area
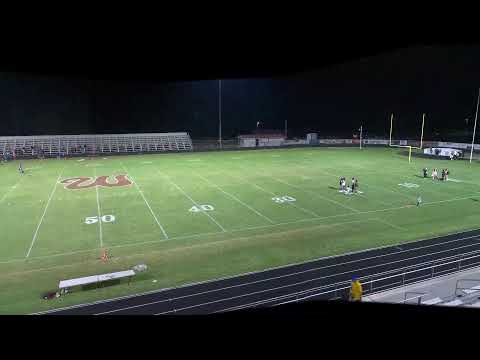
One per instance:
[(198, 216)]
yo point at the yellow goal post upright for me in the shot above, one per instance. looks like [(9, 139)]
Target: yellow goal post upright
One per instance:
[(409, 147)]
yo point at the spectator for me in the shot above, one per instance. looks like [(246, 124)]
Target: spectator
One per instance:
[(356, 290)]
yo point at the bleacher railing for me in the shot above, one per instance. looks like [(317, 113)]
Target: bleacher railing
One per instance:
[(468, 288), (408, 275), (417, 296), (69, 145), (380, 281)]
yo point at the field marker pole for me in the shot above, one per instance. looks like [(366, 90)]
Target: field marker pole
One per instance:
[(475, 126)]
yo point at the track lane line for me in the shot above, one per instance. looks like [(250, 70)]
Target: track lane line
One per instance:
[(302, 272), (158, 291)]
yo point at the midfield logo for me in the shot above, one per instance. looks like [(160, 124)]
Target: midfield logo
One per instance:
[(78, 183)]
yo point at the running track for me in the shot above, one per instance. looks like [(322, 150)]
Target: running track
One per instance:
[(274, 286)]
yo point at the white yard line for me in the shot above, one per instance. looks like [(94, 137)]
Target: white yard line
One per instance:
[(390, 224), (10, 190), (381, 187), (193, 201), (271, 193), (43, 215), (257, 227), (237, 199), (326, 173), (315, 194), (380, 173), (100, 230), (193, 236), (146, 203)]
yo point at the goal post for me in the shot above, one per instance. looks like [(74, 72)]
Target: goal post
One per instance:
[(405, 145), (421, 136)]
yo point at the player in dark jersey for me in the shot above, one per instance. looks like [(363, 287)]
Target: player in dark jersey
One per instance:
[(425, 172), (20, 169)]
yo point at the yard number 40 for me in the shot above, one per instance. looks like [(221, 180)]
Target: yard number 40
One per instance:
[(201, 208)]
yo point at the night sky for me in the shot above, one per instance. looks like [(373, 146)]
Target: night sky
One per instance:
[(332, 100)]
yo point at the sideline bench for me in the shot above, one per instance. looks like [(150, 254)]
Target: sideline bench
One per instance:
[(95, 279)]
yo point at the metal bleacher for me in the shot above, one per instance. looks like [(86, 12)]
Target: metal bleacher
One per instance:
[(71, 145), (466, 294)]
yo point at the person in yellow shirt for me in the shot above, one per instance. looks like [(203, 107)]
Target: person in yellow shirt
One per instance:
[(356, 290)]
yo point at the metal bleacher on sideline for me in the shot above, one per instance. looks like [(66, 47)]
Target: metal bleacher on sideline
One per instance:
[(70, 145), (466, 293)]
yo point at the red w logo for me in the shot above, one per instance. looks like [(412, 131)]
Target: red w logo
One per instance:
[(78, 183)]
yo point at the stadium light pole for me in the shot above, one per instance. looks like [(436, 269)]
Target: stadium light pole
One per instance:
[(220, 113), (421, 136), (361, 129), (391, 128), (474, 126)]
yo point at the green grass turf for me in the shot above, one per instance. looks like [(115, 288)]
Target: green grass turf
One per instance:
[(246, 231)]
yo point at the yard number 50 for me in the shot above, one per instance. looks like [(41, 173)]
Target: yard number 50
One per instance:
[(104, 218)]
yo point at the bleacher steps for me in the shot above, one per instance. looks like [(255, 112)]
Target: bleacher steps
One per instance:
[(433, 301)]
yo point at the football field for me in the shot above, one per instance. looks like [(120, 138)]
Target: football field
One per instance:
[(198, 216)]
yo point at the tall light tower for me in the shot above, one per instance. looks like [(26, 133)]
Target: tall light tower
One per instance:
[(475, 126), (220, 113), (361, 131)]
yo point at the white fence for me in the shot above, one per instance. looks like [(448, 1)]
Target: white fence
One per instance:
[(400, 142), (94, 144)]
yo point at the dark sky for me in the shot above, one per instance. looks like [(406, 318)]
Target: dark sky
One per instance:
[(441, 81)]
